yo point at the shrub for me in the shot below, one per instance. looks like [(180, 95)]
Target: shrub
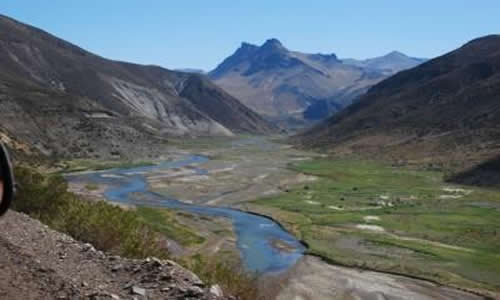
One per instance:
[(115, 230), (232, 278), (107, 227)]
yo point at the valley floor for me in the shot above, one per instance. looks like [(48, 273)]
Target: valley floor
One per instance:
[(362, 214)]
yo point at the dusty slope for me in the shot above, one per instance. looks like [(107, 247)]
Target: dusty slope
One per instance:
[(39, 263), (450, 104), (48, 85)]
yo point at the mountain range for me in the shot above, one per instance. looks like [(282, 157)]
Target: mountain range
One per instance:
[(447, 108), (57, 99), (288, 85), (388, 64)]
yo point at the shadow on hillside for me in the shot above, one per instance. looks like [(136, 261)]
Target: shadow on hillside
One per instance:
[(484, 174)]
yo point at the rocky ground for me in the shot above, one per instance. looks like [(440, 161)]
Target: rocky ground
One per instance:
[(39, 263)]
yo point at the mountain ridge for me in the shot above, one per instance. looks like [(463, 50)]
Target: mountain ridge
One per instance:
[(388, 64), (447, 106), (283, 84), (103, 99)]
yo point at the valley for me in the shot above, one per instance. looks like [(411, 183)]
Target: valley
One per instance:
[(277, 175), (355, 214)]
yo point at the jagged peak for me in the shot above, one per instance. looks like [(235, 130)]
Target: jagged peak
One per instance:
[(245, 49), (273, 44), (273, 41), (245, 45)]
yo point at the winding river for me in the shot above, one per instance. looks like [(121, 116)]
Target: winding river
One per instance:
[(255, 234)]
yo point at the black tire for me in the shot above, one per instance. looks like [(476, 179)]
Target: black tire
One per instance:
[(8, 180)]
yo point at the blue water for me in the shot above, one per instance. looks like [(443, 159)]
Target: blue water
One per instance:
[(254, 233)]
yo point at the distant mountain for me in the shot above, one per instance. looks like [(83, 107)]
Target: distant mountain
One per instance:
[(447, 108), (62, 100), (288, 85), (388, 64), (191, 70)]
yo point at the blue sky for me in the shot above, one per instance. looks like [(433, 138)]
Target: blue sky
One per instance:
[(200, 34)]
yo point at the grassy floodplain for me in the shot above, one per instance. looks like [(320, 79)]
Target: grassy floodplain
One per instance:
[(394, 219)]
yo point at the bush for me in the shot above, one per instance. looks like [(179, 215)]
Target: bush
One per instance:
[(107, 227), (115, 230), (232, 278)]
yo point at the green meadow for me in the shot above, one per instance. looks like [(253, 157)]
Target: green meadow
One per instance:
[(394, 219)]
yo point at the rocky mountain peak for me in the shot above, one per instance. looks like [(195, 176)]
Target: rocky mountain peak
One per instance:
[(276, 81), (273, 44), (247, 47)]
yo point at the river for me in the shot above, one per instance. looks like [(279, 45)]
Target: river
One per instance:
[(255, 234)]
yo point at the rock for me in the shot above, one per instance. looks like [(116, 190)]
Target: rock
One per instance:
[(165, 277), (156, 261), (116, 268), (129, 285), (216, 290), (88, 247), (138, 291), (170, 263), (115, 297), (196, 281), (194, 291)]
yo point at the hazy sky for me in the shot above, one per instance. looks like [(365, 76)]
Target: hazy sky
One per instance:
[(200, 34)]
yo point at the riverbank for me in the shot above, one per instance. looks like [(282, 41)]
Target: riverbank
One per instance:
[(311, 279), (395, 220), (257, 168), (254, 233)]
